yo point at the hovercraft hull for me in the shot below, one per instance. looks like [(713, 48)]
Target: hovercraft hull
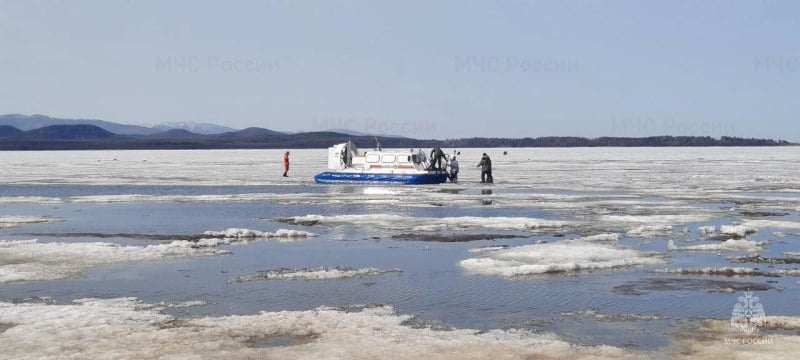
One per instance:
[(345, 177)]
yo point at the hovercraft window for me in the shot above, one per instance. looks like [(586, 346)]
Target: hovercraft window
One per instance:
[(373, 158), (388, 158)]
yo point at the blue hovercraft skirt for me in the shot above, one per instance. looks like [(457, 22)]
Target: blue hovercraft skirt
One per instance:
[(332, 177)]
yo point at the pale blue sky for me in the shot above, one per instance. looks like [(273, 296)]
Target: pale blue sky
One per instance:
[(419, 68)]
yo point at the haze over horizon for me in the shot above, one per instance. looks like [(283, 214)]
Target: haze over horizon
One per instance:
[(425, 70)]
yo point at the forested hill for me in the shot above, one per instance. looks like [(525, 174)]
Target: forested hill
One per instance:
[(86, 137)]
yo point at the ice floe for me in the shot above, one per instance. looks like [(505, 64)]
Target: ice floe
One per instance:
[(125, 198), (29, 200), (7, 221), (391, 221), (599, 316), (707, 230), (564, 256), (780, 224), (652, 225), (788, 272), (239, 233), (724, 271), (727, 245), (656, 219), (600, 237), (314, 273), (646, 285), (758, 259), (125, 328), (731, 271), (737, 230), (650, 231), (487, 248), (29, 260)]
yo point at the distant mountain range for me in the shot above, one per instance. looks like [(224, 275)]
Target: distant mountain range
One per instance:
[(30, 122), (39, 132), (197, 128)]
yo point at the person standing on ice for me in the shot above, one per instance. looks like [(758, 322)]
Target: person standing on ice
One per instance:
[(436, 158), (486, 169), (453, 170), (286, 164)]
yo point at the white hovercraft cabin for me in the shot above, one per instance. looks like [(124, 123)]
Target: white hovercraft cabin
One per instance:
[(347, 165)]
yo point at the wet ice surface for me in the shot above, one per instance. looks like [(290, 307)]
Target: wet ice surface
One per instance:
[(622, 247)]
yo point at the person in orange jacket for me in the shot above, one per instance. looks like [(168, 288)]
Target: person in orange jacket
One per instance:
[(286, 164)]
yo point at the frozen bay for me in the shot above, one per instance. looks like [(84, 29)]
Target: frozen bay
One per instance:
[(638, 249)]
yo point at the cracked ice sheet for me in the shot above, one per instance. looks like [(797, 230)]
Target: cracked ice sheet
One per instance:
[(635, 170), (645, 170), (30, 260), (563, 256), (128, 329), (7, 221)]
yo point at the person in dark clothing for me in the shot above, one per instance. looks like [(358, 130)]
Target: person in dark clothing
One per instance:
[(437, 155), (486, 169)]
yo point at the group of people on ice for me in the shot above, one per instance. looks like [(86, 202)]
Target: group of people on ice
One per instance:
[(437, 156)]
